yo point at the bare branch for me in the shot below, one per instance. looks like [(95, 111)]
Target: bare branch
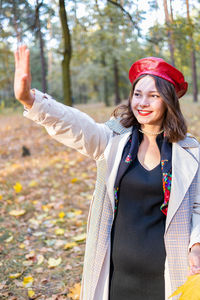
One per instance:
[(124, 11)]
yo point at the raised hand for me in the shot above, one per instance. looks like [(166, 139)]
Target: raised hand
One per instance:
[(22, 81)]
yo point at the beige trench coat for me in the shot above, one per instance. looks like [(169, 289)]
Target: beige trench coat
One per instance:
[(105, 143)]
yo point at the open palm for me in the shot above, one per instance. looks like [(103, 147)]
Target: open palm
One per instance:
[(22, 81)]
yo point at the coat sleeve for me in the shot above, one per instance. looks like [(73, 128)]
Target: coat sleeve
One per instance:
[(69, 126), (195, 231)]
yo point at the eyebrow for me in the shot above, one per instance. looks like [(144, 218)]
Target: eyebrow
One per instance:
[(149, 91)]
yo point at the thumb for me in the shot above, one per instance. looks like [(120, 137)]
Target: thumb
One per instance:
[(194, 260)]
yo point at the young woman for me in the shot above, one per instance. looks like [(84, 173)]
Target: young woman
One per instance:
[(143, 233)]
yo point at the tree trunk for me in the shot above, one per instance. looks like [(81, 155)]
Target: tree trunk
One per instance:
[(66, 54), (50, 59), (41, 41), (116, 79), (193, 56), (168, 21), (105, 82)]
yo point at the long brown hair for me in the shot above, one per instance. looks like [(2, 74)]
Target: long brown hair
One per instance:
[(174, 123)]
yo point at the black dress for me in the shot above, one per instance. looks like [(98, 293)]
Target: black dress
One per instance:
[(137, 237)]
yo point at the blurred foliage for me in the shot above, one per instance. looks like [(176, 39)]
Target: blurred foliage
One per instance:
[(102, 35)]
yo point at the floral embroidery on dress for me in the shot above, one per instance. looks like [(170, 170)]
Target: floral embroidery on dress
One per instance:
[(128, 158), (167, 179), (116, 199)]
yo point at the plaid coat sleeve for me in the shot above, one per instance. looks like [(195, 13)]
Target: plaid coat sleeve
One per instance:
[(195, 232)]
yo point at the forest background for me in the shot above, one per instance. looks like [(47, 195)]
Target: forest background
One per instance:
[(81, 52)]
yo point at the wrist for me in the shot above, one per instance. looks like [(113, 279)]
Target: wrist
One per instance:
[(30, 100)]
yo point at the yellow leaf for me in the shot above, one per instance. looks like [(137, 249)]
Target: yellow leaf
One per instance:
[(59, 231), (31, 293), (15, 275), (33, 183), (70, 245), (1, 197), (74, 180), (190, 289), (61, 215), (22, 246), (52, 262), (17, 213), (27, 282), (77, 212), (17, 187), (75, 291), (45, 208), (80, 237)]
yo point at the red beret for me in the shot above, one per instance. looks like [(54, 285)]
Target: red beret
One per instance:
[(158, 67)]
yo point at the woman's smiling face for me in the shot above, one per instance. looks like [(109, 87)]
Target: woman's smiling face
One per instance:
[(147, 104)]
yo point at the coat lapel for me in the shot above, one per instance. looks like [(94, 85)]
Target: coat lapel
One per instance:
[(113, 156), (185, 161)]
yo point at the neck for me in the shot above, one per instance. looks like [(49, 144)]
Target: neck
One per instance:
[(150, 133), (154, 129)]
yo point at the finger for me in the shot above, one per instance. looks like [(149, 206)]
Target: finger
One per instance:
[(193, 271), (196, 261), (16, 54), (27, 62), (21, 52)]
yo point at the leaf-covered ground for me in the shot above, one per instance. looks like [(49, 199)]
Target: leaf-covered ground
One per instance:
[(44, 200)]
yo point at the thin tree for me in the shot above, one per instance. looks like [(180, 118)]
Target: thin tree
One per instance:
[(41, 42), (192, 54), (168, 21), (67, 52)]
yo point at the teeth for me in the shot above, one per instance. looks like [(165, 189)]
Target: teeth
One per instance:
[(144, 112)]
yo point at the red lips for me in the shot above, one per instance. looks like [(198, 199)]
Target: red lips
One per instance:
[(144, 112)]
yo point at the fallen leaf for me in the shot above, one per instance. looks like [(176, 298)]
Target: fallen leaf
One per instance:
[(45, 208), (40, 259), (190, 289), (8, 240), (52, 262), (31, 293), (17, 187), (70, 245), (27, 263), (1, 197), (74, 180), (15, 275), (75, 291), (22, 246), (17, 213), (77, 212), (33, 183), (27, 282), (80, 237), (59, 231), (30, 255), (61, 215)]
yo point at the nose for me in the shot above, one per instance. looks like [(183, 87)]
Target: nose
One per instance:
[(144, 102)]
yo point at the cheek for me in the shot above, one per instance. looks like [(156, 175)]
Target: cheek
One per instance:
[(134, 103)]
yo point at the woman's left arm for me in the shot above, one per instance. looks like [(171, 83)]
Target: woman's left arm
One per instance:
[(194, 246)]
